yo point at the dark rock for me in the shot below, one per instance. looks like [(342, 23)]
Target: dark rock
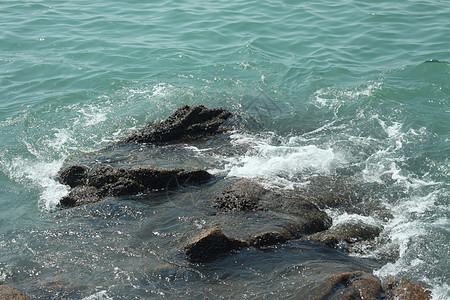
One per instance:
[(211, 243), (406, 290), (243, 195), (73, 176), (348, 286), (342, 235), (11, 293), (268, 239), (188, 122), (107, 181), (248, 196), (310, 219)]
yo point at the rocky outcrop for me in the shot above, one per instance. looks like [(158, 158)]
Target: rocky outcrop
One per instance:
[(348, 286), (90, 184), (343, 235), (187, 123), (11, 293), (106, 181), (210, 244), (406, 290)]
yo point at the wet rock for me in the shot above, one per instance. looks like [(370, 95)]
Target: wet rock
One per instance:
[(406, 290), (342, 235), (268, 239), (248, 196), (309, 218), (188, 122), (243, 195), (348, 286), (107, 181), (11, 293), (210, 244), (73, 176)]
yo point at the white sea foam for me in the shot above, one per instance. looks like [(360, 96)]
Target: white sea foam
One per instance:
[(102, 295), (332, 97), (39, 167), (286, 163), (440, 291), (93, 115), (346, 218)]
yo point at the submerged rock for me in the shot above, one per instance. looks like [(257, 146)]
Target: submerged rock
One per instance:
[(107, 181), (210, 244), (406, 290), (11, 293), (342, 235), (188, 122), (348, 286)]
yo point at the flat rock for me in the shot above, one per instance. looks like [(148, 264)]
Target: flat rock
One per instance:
[(243, 195), (210, 244), (342, 235), (10, 293), (107, 181), (187, 123), (296, 216)]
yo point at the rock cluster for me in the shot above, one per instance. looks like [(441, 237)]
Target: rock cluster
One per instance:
[(265, 217), (90, 184)]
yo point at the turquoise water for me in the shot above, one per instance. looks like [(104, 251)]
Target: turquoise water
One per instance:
[(327, 88)]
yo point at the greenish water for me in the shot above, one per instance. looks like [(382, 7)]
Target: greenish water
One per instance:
[(324, 88)]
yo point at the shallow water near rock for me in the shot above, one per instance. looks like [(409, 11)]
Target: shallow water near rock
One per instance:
[(345, 103)]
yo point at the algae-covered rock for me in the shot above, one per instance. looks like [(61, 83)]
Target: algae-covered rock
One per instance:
[(406, 290), (348, 286), (296, 216), (107, 181), (210, 244), (10, 293), (74, 175), (243, 195), (187, 123)]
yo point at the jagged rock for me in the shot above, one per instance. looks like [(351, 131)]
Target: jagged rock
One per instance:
[(73, 176), (211, 243), (188, 122), (406, 290), (11, 293), (342, 235), (348, 286), (107, 181)]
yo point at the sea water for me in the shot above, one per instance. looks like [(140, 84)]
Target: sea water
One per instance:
[(329, 89)]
